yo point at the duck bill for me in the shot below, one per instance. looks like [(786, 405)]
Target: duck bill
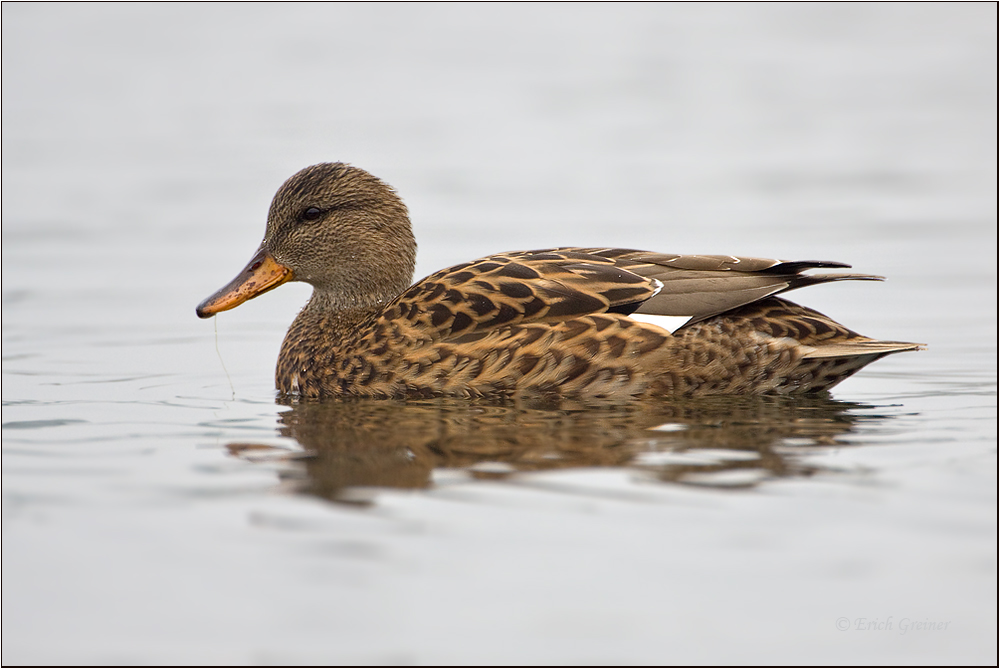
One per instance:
[(261, 274)]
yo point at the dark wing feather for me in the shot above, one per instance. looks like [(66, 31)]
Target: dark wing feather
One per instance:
[(702, 286)]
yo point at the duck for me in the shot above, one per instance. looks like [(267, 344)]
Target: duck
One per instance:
[(564, 322)]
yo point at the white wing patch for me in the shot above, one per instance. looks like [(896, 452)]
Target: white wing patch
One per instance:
[(668, 323)]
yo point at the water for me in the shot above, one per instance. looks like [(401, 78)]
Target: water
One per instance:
[(160, 507)]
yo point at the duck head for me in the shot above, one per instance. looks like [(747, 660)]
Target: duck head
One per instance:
[(337, 228)]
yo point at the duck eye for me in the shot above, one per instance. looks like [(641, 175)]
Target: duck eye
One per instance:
[(311, 214)]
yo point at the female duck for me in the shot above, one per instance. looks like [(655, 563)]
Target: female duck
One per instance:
[(562, 321)]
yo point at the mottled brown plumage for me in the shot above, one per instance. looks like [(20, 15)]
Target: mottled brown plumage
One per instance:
[(556, 321)]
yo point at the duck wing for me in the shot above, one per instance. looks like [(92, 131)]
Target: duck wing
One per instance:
[(521, 287), (702, 286), (555, 285)]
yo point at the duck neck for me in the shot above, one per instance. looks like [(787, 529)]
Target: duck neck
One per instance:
[(314, 343), (325, 302)]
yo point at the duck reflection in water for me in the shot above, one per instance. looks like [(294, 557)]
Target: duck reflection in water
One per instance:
[(351, 447)]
